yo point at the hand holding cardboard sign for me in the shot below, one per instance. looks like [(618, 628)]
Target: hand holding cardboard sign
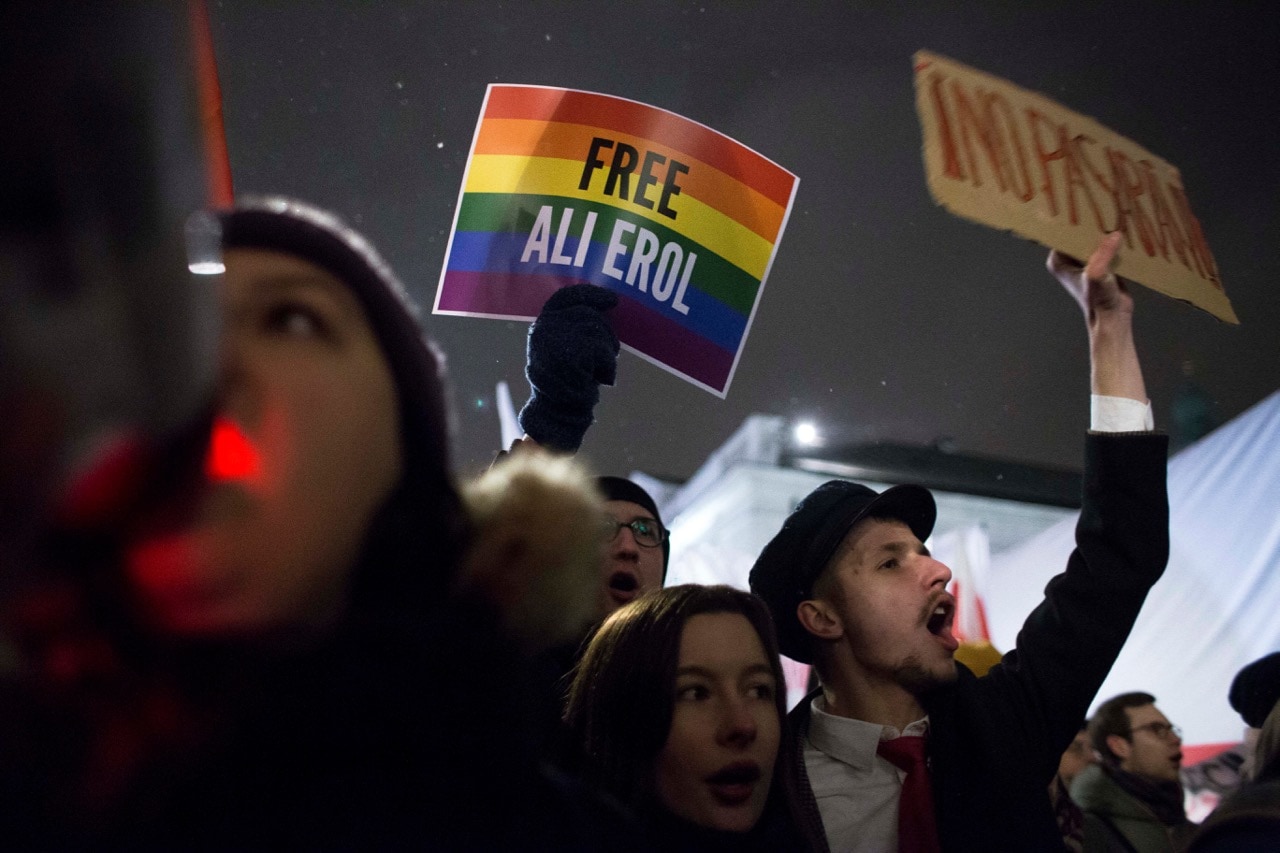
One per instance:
[(1093, 285), (1108, 310), (571, 352)]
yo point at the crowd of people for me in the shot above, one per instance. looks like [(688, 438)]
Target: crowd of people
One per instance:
[(327, 641)]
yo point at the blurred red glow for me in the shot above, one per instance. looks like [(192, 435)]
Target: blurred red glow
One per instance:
[(107, 485), (231, 455)]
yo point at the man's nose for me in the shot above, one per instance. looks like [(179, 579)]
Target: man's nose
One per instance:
[(935, 572), (625, 541)]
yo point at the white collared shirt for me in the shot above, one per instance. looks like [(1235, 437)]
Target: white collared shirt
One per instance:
[(857, 791)]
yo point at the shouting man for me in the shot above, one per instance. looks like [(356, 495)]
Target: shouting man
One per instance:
[(902, 748), (638, 548)]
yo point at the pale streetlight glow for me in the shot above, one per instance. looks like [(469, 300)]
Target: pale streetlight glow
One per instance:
[(806, 433)]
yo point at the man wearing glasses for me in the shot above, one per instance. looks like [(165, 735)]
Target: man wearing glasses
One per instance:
[(638, 549), (1133, 799)]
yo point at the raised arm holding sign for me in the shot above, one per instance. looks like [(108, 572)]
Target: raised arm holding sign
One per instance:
[(1108, 311), (854, 591), (572, 351)]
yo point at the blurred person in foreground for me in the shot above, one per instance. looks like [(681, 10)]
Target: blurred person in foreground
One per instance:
[(538, 547), (1132, 798), (678, 702), (287, 656), (903, 748)]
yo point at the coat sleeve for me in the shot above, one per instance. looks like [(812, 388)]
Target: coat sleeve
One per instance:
[(1042, 689)]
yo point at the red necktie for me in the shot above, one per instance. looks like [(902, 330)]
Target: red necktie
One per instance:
[(917, 826)]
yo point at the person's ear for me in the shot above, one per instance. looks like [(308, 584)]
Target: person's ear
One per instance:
[(1120, 746), (820, 619)]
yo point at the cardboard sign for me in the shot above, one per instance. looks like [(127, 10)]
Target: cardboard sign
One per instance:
[(1011, 158), (564, 187)]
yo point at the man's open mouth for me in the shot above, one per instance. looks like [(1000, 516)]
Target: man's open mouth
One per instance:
[(623, 586), (940, 620)]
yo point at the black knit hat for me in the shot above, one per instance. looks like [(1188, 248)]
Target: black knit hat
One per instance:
[(621, 489), (291, 226), (427, 494), (785, 572), (1256, 689)]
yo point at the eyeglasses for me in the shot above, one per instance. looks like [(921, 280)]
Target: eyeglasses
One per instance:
[(1160, 730), (647, 531)]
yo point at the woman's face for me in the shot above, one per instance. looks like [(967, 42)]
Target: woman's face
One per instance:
[(717, 764), (305, 450)]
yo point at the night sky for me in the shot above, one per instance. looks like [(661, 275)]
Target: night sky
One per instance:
[(884, 317)]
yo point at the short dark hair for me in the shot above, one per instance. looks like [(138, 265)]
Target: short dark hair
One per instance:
[(622, 698), (1112, 718)]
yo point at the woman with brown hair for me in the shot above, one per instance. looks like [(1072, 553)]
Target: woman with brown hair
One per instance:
[(678, 705)]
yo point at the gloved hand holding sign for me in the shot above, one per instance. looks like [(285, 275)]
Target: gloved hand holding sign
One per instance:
[(571, 352)]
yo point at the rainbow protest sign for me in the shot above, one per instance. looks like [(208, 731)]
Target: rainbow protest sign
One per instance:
[(564, 186)]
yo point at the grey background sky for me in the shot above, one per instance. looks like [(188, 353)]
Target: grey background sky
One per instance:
[(884, 317)]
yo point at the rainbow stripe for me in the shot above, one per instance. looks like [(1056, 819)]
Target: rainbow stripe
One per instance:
[(529, 153)]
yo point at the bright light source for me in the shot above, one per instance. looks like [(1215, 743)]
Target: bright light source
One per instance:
[(806, 433), (207, 267)]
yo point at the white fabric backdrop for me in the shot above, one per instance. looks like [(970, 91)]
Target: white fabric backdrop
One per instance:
[(1215, 609)]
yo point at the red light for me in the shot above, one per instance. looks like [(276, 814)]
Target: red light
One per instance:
[(231, 455)]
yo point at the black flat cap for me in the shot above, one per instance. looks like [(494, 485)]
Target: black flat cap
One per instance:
[(788, 566)]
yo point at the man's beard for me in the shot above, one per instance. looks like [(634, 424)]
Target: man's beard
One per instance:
[(918, 680)]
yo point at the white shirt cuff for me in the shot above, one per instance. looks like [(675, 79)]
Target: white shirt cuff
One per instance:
[(1119, 414)]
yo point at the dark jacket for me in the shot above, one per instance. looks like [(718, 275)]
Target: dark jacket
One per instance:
[(1247, 822), (995, 741), (773, 833), (1116, 820)]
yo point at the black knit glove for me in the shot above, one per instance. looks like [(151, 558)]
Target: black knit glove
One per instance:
[(571, 352)]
